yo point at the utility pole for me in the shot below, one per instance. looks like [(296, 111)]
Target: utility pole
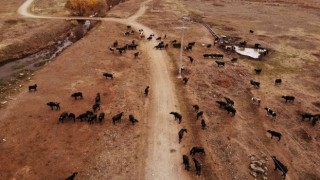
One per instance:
[(181, 48)]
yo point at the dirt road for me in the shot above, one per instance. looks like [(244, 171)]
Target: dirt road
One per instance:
[(163, 160)]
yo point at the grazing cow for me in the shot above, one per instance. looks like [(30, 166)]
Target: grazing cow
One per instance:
[(174, 41), (33, 88), (146, 90), (54, 104), (270, 112), (158, 39), (196, 107), (96, 107), (177, 116), (255, 84), (82, 117), (127, 33), (72, 116), (203, 124), (258, 71), (92, 118), (159, 46), (231, 110), (315, 119), (132, 46), (288, 98), (186, 162), (142, 36), (111, 49), (97, 98), (151, 34), (190, 59), (115, 44), (251, 31), (278, 82), (132, 119), (255, 100), (191, 43), (136, 54), (243, 44), (63, 116), (234, 60), (76, 95), (257, 46), (220, 63), (199, 114), (101, 117), (197, 166), (185, 80), (117, 118), (222, 104), (195, 150), (177, 45), (149, 38), (180, 134), (128, 27), (274, 133), (72, 176), (219, 56), (209, 45), (280, 166), (229, 101), (108, 75), (206, 55), (188, 48), (306, 115)]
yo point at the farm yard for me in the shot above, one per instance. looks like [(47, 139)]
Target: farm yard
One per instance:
[(228, 116)]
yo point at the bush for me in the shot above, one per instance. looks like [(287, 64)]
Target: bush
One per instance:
[(86, 7)]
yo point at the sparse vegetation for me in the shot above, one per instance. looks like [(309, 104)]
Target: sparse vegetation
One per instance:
[(86, 7)]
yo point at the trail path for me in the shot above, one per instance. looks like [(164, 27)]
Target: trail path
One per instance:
[(164, 159)]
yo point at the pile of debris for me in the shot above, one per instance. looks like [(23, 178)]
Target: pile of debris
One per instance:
[(258, 166)]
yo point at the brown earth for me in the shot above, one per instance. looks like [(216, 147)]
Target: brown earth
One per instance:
[(34, 140)]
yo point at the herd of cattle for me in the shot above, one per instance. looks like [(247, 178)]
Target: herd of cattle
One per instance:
[(91, 116)]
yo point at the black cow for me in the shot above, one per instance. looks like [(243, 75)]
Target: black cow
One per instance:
[(111, 49), (117, 118), (243, 44), (136, 54), (280, 166), (82, 117), (270, 112), (222, 104), (186, 162), (127, 33), (188, 48), (206, 55), (288, 98), (149, 38), (306, 115), (33, 88), (97, 98), (96, 107), (234, 60), (220, 63), (177, 45), (92, 118), (159, 46), (229, 101), (132, 119), (277, 81), (231, 110), (72, 176), (191, 43), (146, 90), (63, 116), (180, 134), (197, 166), (101, 117), (251, 31), (255, 84), (209, 45), (115, 44), (191, 59), (174, 41), (54, 104), (196, 107), (185, 80), (158, 39), (199, 114), (274, 133), (76, 95), (203, 124), (177, 116), (108, 75), (72, 116), (195, 150), (258, 71)]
